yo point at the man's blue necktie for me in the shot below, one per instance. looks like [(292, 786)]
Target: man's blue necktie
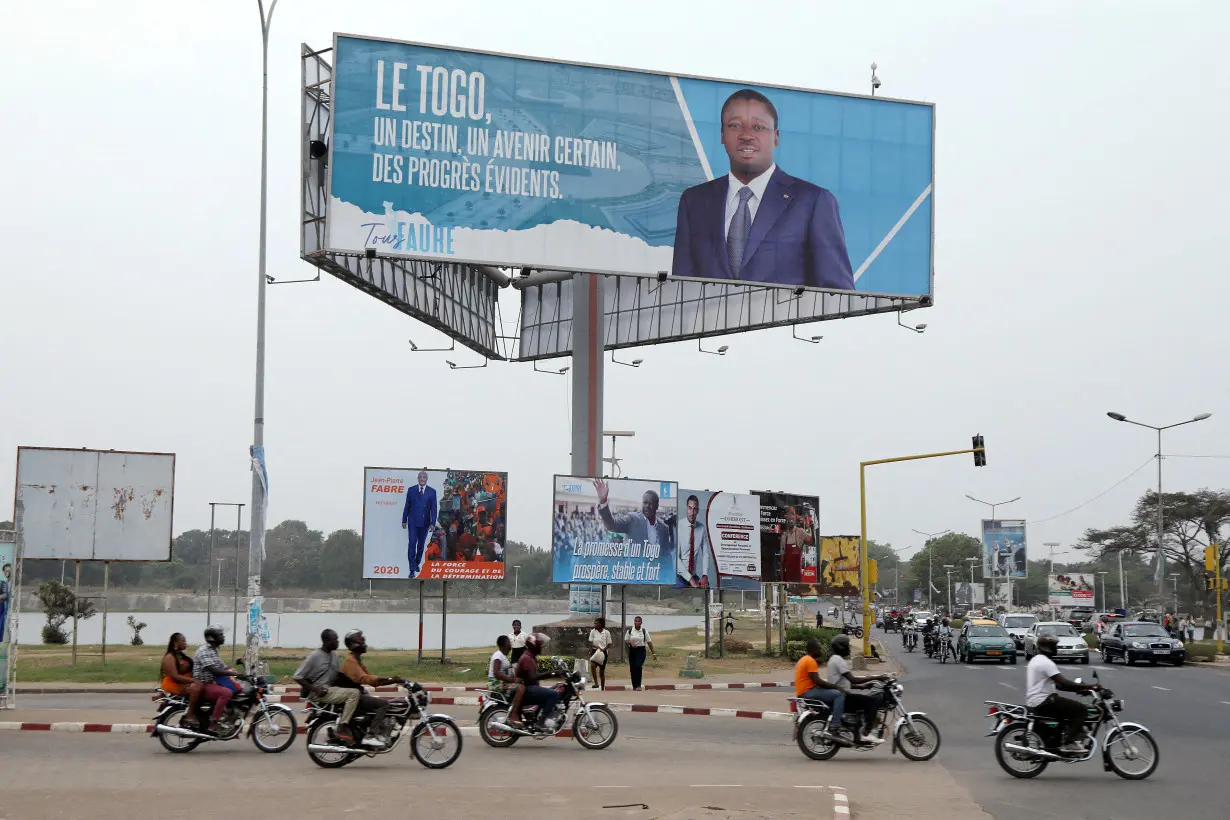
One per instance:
[(740, 227)]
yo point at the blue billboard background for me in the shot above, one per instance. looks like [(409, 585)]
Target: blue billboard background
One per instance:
[(1004, 549), (446, 154), (601, 534)]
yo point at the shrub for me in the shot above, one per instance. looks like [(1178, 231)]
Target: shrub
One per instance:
[(738, 647), (54, 635), (795, 650), (136, 627), (802, 633), (59, 604), (547, 664)]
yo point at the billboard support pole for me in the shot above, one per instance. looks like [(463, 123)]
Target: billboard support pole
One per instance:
[(106, 589), (420, 621), (209, 570), (706, 623), (443, 621), (623, 619), (721, 628), (76, 595), (587, 376), (768, 617), (862, 558)]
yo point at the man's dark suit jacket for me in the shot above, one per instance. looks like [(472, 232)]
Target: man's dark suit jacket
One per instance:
[(796, 237)]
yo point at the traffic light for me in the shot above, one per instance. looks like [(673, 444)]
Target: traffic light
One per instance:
[(980, 453), (1211, 584), (873, 572), (1210, 558)]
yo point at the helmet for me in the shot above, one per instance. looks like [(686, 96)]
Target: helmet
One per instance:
[(535, 642), (215, 635), (840, 645), (354, 637), (1048, 644)]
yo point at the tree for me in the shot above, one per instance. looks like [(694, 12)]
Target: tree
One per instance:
[(1190, 522), (60, 604)]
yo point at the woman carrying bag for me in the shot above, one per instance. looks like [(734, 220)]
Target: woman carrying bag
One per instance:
[(637, 640), (599, 640)]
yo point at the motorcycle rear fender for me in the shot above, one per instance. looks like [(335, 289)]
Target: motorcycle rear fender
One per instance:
[(162, 713)]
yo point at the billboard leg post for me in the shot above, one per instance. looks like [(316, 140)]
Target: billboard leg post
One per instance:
[(106, 589), (420, 621), (706, 623), (721, 630), (235, 599), (768, 619), (587, 376), (444, 622), (76, 596), (209, 569), (623, 618)]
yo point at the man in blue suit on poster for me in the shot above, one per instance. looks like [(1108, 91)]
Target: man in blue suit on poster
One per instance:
[(758, 224), (419, 518)]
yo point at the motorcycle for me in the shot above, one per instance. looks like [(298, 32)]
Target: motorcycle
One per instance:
[(435, 740), (909, 637), (1026, 743), (593, 724), (271, 726), (931, 643), (854, 629), (892, 623), (944, 648), (914, 734)]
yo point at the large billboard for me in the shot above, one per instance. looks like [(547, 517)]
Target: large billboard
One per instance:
[(613, 530), (8, 604), (95, 505), (1003, 549), (472, 157), (1073, 589), (440, 525), (788, 537), (719, 541)]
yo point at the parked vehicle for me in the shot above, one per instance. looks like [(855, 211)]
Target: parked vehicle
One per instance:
[(593, 724), (981, 639), (271, 726), (1132, 641), (913, 733), (1072, 646), (1017, 624), (435, 740), (1025, 743)]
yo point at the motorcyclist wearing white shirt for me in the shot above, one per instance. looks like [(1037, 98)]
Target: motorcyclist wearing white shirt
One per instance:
[(1042, 678), (868, 703)]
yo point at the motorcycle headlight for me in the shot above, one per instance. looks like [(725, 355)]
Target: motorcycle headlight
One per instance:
[(897, 689)]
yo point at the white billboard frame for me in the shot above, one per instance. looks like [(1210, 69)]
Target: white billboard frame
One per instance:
[(106, 505)]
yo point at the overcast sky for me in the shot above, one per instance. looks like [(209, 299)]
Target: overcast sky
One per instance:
[(1080, 203)]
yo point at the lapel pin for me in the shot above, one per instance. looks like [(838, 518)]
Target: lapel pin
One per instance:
[(785, 196)]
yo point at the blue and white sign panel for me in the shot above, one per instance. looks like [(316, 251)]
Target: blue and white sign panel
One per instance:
[(481, 158), (613, 530)]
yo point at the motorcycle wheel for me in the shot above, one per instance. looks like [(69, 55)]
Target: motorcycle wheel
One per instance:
[(601, 733), (318, 735), (920, 743), (858, 633), (274, 731), (177, 744), (1014, 764), (1142, 746), (495, 737), (435, 738), (812, 741)]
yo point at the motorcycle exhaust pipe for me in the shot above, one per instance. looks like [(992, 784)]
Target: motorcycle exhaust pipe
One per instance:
[(317, 747), (162, 728), (1029, 750), (504, 727)]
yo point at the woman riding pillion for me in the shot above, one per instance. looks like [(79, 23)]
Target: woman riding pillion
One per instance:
[(177, 676)]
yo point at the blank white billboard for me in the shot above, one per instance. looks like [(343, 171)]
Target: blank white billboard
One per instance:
[(95, 505)]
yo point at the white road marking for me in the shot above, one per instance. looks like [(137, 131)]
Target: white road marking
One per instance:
[(717, 785), (810, 787), (1162, 688), (1226, 702), (1010, 686), (841, 798), (841, 809)]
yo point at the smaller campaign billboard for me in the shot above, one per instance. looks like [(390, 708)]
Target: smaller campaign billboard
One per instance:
[(613, 530), (718, 538), (442, 525), (788, 543), (967, 594), (1003, 549), (1072, 589)]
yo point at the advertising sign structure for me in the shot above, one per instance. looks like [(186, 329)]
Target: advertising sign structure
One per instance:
[(968, 594), (1073, 589), (788, 541), (442, 525), (472, 157), (718, 538), (1003, 549), (95, 505), (614, 530), (838, 570), (584, 599)]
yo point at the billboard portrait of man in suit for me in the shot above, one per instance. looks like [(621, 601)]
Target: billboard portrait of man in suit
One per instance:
[(759, 224), (644, 526), (418, 518)]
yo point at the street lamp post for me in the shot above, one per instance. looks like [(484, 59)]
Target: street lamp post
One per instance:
[(517, 581), (1174, 579), (1105, 602), (948, 571), (930, 553), (1161, 555), (993, 506)]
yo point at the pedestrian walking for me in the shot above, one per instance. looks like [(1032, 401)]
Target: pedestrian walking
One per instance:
[(1191, 631), (516, 640), (639, 641), (599, 640)]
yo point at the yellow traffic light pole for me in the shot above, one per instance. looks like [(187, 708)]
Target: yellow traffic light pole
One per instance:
[(863, 563), (1212, 563)]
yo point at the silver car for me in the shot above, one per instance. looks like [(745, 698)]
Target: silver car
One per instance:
[(1072, 646)]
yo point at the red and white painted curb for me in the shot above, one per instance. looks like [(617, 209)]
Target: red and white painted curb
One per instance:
[(613, 687), (143, 728)]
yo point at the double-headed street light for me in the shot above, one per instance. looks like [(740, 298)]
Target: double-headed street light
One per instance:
[(1161, 555)]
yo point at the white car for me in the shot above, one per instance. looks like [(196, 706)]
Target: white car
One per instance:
[(1072, 646), (1018, 624)]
